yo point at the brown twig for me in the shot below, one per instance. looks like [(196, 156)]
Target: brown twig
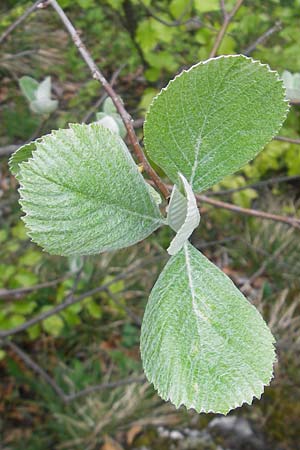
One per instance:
[(66, 398), (263, 38), (19, 292), (174, 23), (227, 19), (292, 221), (71, 300), (99, 102), (20, 19), (109, 385), (97, 75), (287, 139), (36, 368), (257, 185)]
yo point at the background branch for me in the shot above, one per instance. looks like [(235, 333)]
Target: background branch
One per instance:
[(261, 39), (20, 19), (66, 398), (287, 139), (71, 300), (227, 19), (292, 221)]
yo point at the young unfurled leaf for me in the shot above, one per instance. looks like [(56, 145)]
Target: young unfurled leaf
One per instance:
[(214, 118), (38, 95), (83, 194), (110, 118), (183, 215), (292, 85), (28, 87), (203, 344)]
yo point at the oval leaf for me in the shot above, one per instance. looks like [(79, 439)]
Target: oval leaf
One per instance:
[(83, 194), (214, 118), (183, 217), (203, 344)]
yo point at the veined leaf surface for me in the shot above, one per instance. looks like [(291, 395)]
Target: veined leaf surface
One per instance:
[(83, 194), (203, 344), (214, 118)]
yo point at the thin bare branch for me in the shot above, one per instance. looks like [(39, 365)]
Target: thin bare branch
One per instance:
[(36, 368), (103, 386), (227, 19), (261, 39), (257, 185), (97, 75), (292, 221), (19, 292), (20, 19), (71, 300), (174, 23), (99, 102), (287, 139), (66, 398)]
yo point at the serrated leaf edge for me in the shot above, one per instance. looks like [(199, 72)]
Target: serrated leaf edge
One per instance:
[(188, 405), (254, 61)]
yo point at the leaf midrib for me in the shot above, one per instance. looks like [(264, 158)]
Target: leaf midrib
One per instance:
[(73, 190)]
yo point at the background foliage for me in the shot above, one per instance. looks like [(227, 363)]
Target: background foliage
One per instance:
[(142, 44)]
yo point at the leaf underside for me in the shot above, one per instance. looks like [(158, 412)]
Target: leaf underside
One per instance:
[(214, 118), (203, 344), (83, 194), (183, 215)]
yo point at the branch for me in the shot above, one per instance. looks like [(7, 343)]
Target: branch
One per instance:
[(66, 398), (97, 75), (263, 38), (36, 368), (71, 300), (287, 139), (227, 19), (8, 293), (174, 23), (292, 221), (257, 185), (100, 100), (109, 385), (20, 19)]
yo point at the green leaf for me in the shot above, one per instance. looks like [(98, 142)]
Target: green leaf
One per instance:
[(22, 154), (203, 344), (183, 215), (83, 194), (28, 87), (206, 5), (53, 325), (214, 118)]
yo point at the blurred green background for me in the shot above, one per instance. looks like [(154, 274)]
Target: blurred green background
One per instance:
[(140, 45)]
